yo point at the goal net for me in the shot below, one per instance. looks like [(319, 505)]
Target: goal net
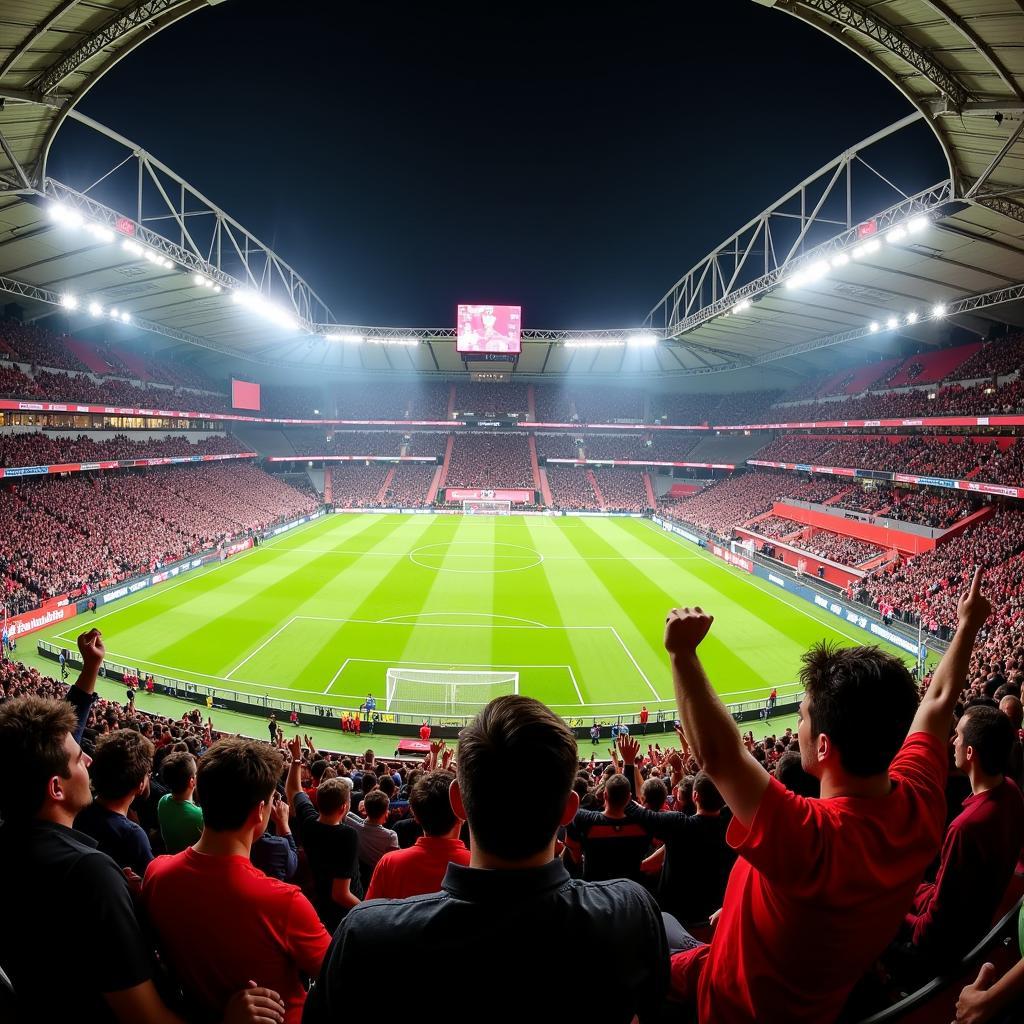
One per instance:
[(430, 692), (487, 507)]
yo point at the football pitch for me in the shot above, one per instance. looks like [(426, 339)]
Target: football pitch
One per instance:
[(575, 606)]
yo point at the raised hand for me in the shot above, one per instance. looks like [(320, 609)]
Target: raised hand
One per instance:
[(628, 749), (974, 608), (294, 747), (685, 628), (90, 646)]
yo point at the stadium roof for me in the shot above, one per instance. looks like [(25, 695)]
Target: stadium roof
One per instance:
[(817, 269)]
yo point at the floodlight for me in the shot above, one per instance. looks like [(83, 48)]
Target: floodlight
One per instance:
[(198, 279), (114, 315), (69, 301), (938, 311), (912, 317), (95, 309), (840, 260), (872, 246), (858, 252), (896, 234), (129, 245), (873, 327), (642, 339), (917, 224), (892, 323), (126, 317)]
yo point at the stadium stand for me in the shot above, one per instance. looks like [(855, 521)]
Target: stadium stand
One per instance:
[(410, 485), (570, 488), (357, 484), (622, 489), (558, 446), (490, 460), (39, 449)]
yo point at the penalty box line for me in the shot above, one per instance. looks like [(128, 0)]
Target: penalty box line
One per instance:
[(448, 665)]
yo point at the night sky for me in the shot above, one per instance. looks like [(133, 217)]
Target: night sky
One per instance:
[(405, 157)]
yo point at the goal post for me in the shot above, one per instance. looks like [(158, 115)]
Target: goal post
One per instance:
[(487, 507), (453, 692)]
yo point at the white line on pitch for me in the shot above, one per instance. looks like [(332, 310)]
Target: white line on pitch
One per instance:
[(249, 657), (773, 592), (572, 676), (189, 578), (130, 661), (451, 666), (334, 678), (629, 654), (436, 625)]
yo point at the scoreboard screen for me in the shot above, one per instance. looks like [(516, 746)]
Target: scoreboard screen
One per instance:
[(484, 328)]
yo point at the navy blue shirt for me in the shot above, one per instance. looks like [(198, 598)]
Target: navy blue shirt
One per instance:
[(512, 944), (117, 836), (276, 856)]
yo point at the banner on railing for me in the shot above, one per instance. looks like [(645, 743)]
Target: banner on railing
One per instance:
[(733, 559), (518, 496), (29, 622), (640, 462), (84, 467)]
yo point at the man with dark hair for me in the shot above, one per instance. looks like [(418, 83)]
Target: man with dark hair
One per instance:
[(422, 867), (1011, 706), (251, 924), (120, 773), (980, 850), (181, 821), (375, 838), (790, 772), (514, 912), (332, 846), (609, 844), (819, 885)]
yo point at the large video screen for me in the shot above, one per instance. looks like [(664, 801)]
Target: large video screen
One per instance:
[(245, 395), (483, 328)]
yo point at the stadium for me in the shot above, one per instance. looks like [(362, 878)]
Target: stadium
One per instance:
[(228, 507)]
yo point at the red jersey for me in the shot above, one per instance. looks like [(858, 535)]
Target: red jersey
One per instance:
[(424, 732), (417, 870), (222, 922), (819, 888)]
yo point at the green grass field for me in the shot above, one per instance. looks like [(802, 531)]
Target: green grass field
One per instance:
[(575, 605)]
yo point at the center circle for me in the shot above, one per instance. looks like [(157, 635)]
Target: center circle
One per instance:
[(467, 556)]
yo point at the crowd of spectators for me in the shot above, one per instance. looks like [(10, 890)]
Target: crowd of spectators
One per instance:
[(920, 505), (570, 488), (838, 548), (776, 526), (491, 400), (622, 489), (490, 460), (346, 442), (357, 484), (38, 346), (410, 485), (47, 449), (73, 534), (956, 459), (686, 409), (554, 403), (997, 358), (423, 400), (697, 870), (558, 446), (600, 404), (290, 401), (615, 446), (427, 442)]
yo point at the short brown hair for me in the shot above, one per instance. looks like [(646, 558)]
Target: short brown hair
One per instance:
[(429, 801), (376, 803), (178, 770), (509, 734), (32, 751), (121, 761), (617, 791), (332, 795), (234, 776)]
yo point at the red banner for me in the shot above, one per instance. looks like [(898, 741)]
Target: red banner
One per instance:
[(352, 458), (640, 462), (15, 472), (737, 560), (29, 622), (919, 421), (517, 497)]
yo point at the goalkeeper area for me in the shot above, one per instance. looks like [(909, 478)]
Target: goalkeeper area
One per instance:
[(435, 614)]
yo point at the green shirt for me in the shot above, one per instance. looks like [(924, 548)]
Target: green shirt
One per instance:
[(181, 823)]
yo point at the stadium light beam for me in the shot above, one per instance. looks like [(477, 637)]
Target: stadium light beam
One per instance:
[(69, 301), (939, 311), (892, 323), (95, 309), (641, 340)]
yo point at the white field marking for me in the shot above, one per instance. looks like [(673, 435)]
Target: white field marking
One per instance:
[(334, 678), (481, 615), (572, 676), (439, 625), (160, 588), (629, 654), (546, 558), (249, 657), (712, 560)]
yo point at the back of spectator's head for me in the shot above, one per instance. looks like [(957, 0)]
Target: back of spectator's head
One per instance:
[(376, 805), (387, 786), (846, 689), (705, 793), (121, 764), (177, 771), (1013, 709), (317, 768), (235, 777), (684, 795), (984, 735), (617, 792), (790, 772), (39, 759), (431, 804), (654, 794), (333, 795), (510, 736)]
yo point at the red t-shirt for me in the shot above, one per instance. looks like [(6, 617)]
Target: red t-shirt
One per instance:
[(222, 922), (424, 732), (819, 889), (417, 870)]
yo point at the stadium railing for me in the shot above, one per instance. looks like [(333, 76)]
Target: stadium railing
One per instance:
[(661, 721)]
